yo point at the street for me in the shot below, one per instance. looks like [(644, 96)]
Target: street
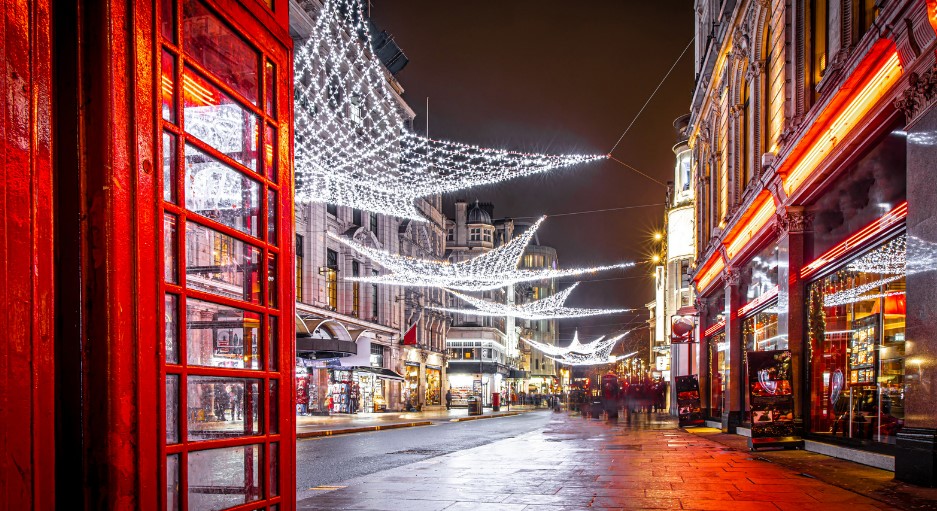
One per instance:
[(332, 460), (546, 461)]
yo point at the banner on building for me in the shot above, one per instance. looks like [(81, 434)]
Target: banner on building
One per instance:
[(409, 338), (688, 400), (771, 396)]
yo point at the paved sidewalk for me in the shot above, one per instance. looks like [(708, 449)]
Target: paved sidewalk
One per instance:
[(325, 425), (587, 464)]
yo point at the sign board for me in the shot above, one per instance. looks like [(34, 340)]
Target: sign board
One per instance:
[(688, 400), (662, 363), (772, 399), (682, 329)]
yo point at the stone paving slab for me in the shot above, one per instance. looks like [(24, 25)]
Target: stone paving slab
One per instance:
[(575, 464)]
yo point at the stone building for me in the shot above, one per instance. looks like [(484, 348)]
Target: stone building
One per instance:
[(811, 131), (349, 334), (484, 350)]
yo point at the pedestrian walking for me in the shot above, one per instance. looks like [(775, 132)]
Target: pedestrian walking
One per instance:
[(449, 399)]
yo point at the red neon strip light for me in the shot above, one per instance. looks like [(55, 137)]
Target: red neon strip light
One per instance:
[(715, 328), (757, 302), (887, 221)]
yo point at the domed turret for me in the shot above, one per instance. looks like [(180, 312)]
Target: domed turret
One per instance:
[(478, 215)]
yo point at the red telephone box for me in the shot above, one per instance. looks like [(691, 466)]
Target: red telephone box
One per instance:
[(225, 214)]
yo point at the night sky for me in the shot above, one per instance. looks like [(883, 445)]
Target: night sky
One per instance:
[(559, 77)]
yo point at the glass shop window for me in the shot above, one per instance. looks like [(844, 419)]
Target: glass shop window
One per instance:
[(856, 331), (719, 373)]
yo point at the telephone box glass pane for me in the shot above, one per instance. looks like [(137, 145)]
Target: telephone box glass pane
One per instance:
[(217, 191), (223, 407), (223, 478), (221, 336)]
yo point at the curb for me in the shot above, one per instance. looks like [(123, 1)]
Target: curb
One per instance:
[(363, 429), (477, 417)]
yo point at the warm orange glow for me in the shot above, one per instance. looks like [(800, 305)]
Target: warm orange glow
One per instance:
[(932, 13), (886, 222), (860, 103), (710, 271), (761, 212)]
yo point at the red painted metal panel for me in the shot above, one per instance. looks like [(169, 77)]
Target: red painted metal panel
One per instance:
[(26, 256)]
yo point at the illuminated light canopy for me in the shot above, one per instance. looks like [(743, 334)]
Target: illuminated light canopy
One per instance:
[(857, 107), (884, 223), (715, 328), (494, 269), (354, 146), (548, 308), (758, 302)]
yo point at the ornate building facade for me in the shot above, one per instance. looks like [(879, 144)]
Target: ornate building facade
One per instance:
[(810, 126), (350, 335)]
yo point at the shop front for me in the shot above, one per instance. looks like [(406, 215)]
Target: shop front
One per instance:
[(857, 344), (433, 385)]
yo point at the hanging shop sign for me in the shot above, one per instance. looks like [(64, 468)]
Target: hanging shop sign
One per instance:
[(681, 329), (688, 400), (772, 400)]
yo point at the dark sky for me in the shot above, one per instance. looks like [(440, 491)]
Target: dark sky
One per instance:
[(558, 77)]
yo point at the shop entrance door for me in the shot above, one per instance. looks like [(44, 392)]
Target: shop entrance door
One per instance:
[(227, 436)]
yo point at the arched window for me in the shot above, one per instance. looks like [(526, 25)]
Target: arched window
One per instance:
[(745, 135)]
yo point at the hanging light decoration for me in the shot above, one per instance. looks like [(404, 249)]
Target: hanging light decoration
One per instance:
[(550, 307), (494, 269), (354, 146), (597, 352)]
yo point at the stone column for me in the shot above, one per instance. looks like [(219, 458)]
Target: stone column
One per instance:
[(792, 302), (734, 397), (702, 354), (916, 454)]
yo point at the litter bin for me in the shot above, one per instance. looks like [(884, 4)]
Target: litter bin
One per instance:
[(474, 405), (495, 401)]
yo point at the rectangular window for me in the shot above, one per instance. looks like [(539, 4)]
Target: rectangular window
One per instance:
[(331, 209), (331, 278), (356, 217), (224, 407), (221, 336), (374, 298), (373, 222), (221, 264), (377, 355), (450, 235), (220, 193), (224, 477), (218, 120), (355, 289), (299, 267), (818, 39), (217, 48)]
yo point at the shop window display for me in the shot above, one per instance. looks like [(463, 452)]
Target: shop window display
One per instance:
[(411, 392), (433, 385), (720, 373), (760, 333), (857, 345)]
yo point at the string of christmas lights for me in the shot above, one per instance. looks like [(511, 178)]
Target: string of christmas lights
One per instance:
[(550, 307), (492, 270), (353, 142)]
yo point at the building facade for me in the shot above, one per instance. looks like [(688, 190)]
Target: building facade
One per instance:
[(810, 128), (671, 346), (486, 354), (351, 343)]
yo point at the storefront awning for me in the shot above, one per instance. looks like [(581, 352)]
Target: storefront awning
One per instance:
[(324, 337), (379, 371)]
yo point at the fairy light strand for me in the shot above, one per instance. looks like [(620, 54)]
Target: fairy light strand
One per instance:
[(354, 145), (491, 270), (550, 307)]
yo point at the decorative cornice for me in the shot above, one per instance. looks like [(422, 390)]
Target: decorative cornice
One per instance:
[(793, 220), (921, 92), (732, 276)]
